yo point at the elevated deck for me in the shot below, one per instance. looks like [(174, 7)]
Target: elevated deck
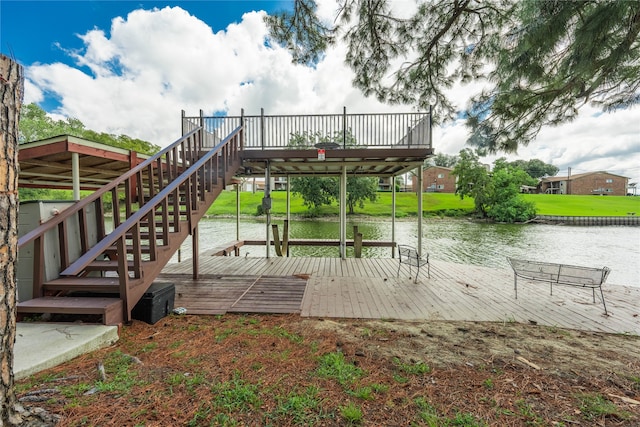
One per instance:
[(368, 288)]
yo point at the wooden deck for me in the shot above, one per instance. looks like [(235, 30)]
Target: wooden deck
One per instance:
[(369, 288)]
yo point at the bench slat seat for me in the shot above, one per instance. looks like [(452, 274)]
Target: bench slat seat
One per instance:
[(560, 274)]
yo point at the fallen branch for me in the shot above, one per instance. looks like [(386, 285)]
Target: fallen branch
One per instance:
[(625, 399), (526, 362)]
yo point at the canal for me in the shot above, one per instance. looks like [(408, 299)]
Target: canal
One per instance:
[(454, 240)]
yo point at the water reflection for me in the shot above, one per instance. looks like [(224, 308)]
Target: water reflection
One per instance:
[(457, 241)]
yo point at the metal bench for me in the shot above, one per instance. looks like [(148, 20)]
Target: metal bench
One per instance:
[(409, 255), (560, 274)]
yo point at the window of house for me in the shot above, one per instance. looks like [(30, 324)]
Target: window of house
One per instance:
[(440, 187), (440, 175), (609, 181)]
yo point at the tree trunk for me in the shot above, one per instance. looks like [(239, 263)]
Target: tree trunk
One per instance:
[(11, 91)]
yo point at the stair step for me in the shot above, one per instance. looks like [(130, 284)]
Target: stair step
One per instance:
[(145, 249), (106, 265), (89, 284), (111, 309)]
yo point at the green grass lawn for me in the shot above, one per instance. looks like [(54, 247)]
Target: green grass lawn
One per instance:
[(433, 204)]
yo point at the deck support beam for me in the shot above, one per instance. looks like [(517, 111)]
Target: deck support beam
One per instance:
[(393, 214), (266, 204), (237, 211), (343, 213), (195, 250), (75, 175), (419, 194)]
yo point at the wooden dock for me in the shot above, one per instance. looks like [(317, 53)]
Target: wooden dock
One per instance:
[(368, 288)]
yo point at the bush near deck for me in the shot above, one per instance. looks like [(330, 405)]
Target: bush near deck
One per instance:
[(437, 204)]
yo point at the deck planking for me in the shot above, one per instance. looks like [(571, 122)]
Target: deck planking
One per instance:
[(370, 288)]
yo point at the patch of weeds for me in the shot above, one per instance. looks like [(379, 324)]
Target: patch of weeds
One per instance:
[(418, 368), (429, 416), (225, 334), (74, 390), (333, 365), (365, 393), (635, 381), (527, 412), (380, 388), (351, 413), (488, 384), (224, 420), (280, 332), (179, 354), (194, 361), (400, 379), (505, 411), (427, 412), (193, 328), (236, 395), (366, 333), (466, 420), (195, 380), (244, 320), (200, 416), (176, 344), (595, 406), (299, 408), (120, 379), (149, 347), (256, 366)]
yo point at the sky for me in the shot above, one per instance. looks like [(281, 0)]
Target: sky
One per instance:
[(131, 67)]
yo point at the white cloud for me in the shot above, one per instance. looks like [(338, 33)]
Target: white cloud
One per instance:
[(137, 77)]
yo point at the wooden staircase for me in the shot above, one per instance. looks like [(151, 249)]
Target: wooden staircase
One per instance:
[(162, 201)]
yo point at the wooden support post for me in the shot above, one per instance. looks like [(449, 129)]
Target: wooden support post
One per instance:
[(357, 242), (285, 238), (276, 240), (393, 215), (195, 250)]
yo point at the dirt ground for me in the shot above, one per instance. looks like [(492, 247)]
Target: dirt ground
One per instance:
[(279, 370)]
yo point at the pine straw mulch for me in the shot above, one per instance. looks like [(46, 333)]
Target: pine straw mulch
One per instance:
[(281, 370)]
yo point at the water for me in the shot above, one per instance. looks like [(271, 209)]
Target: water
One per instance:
[(459, 241)]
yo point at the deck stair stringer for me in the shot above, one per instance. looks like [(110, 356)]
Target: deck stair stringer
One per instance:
[(164, 197)]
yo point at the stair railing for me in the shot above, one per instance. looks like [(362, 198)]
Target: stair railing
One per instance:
[(209, 171), (168, 164)]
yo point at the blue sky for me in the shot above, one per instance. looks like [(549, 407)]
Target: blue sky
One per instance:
[(35, 31), (130, 67)]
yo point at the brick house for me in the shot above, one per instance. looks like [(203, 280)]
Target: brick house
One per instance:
[(437, 179), (597, 183)]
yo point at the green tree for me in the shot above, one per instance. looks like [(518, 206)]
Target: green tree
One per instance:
[(318, 191), (536, 168), (505, 203), (473, 181), (315, 191), (35, 124), (542, 59), (359, 190), (496, 195), (443, 160)]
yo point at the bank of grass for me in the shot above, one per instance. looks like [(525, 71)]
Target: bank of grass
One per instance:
[(434, 204)]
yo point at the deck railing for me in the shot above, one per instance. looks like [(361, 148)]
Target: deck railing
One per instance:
[(265, 132)]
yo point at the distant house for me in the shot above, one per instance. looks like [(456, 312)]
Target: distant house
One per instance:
[(597, 183), (437, 179)]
